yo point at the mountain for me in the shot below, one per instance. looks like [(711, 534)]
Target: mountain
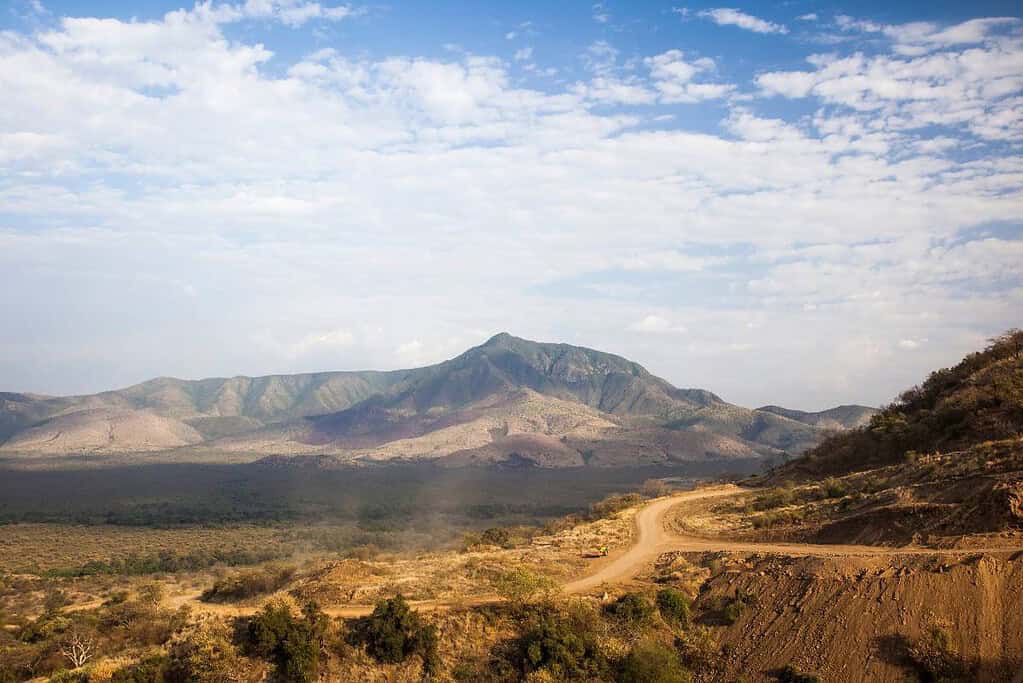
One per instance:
[(509, 400)]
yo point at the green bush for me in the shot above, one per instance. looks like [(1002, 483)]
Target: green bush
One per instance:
[(563, 645), (394, 632), (673, 606), (151, 669), (631, 607), (496, 536), (734, 606), (290, 641), (835, 488), (652, 662)]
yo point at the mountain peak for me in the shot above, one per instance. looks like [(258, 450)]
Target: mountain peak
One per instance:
[(501, 338)]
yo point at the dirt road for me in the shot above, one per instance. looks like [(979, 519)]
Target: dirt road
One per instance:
[(652, 539)]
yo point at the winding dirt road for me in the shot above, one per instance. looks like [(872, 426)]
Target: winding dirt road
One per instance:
[(652, 539)]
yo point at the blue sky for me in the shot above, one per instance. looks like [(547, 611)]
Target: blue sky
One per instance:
[(795, 202)]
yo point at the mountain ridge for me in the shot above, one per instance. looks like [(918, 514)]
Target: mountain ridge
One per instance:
[(598, 401)]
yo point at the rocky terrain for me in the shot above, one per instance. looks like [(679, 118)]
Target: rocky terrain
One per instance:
[(509, 400)]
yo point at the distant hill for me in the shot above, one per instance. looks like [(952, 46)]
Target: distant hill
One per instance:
[(507, 400), (842, 417)]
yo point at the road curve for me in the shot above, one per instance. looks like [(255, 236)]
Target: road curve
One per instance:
[(651, 540)]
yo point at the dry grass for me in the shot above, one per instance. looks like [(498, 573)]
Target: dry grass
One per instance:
[(41, 547)]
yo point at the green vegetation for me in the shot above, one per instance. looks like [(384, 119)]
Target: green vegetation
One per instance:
[(731, 608), (563, 645), (394, 632), (166, 562), (522, 585), (651, 661), (936, 660), (978, 400), (249, 584), (674, 606), (291, 641), (632, 608)]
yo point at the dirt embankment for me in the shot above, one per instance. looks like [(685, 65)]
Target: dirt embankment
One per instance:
[(852, 618)]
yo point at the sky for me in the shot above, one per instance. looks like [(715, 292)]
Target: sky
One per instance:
[(800, 203)]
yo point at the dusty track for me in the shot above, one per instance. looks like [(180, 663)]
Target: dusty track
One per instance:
[(652, 539)]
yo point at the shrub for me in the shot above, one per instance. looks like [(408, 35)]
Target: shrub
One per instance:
[(394, 632), (249, 584), (775, 498), (673, 606), (563, 646), (733, 607), (936, 659), (697, 648), (612, 504), (204, 654), (835, 488), (652, 662), (150, 669), (291, 641), (790, 674), (496, 536), (631, 607), (521, 584)]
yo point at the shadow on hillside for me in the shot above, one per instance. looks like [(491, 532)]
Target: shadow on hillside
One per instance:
[(931, 665)]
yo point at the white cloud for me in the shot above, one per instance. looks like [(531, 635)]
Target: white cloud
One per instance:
[(429, 198), (726, 16), (810, 16), (668, 260), (673, 75), (293, 13), (974, 88), (600, 13), (523, 54), (655, 324)]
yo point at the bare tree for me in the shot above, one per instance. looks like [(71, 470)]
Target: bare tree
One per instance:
[(77, 648)]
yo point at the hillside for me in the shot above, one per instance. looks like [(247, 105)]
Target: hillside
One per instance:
[(507, 400), (841, 417), (943, 461)]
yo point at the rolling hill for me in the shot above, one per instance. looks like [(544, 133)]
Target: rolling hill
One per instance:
[(943, 460), (507, 400)]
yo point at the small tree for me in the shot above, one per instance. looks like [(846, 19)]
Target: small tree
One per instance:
[(653, 662), (290, 641), (78, 647), (673, 606), (632, 608), (394, 632)]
